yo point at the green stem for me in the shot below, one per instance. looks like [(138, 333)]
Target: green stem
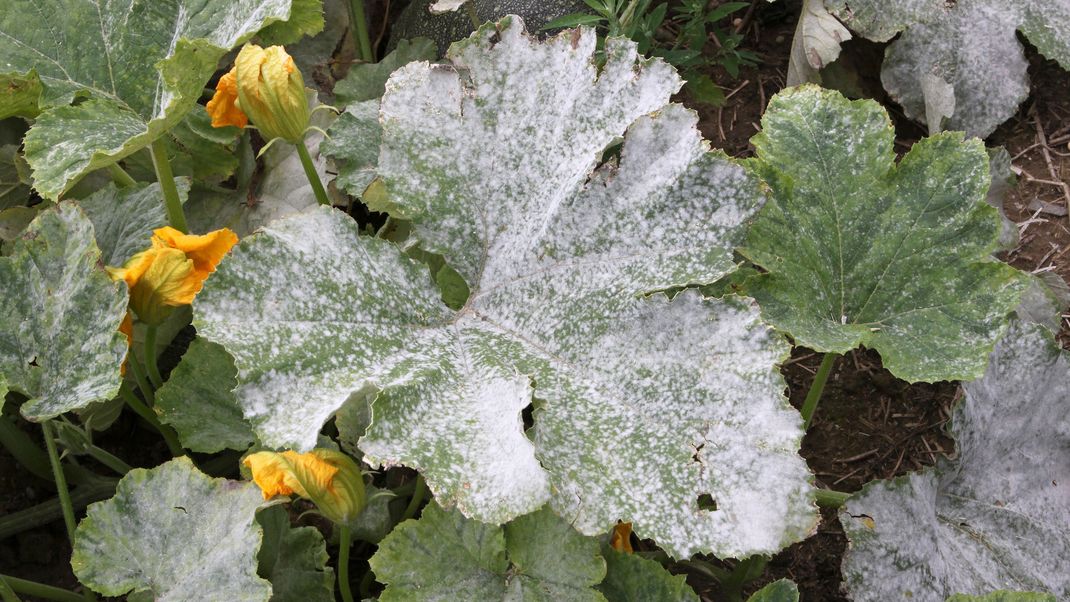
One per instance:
[(473, 16), (119, 176), (360, 25), (149, 351), (32, 588), (142, 380), (61, 489), (814, 395), (145, 412), (827, 498), (310, 172), (366, 581), (108, 459), (7, 593), (417, 498), (49, 511), (166, 177), (344, 543)]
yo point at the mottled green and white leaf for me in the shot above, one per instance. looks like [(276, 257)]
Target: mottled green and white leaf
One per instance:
[(173, 533), (59, 317), (1004, 596), (14, 188), (354, 146), (367, 81), (293, 559), (445, 556), (997, 517), (969, 45), (861, 250), (640, 398), (143, 65), (777, 591), (197, 400), (817, 40)]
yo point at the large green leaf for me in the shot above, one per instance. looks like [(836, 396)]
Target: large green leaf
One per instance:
[(367, 81), (173, 534), (197, 401), (777, 591), (59, 317), (997, 517), (962, 55), (444, 556), (294, 560), (862, 251), (632, 578), (354, 146), (643, 404), (143, 65)]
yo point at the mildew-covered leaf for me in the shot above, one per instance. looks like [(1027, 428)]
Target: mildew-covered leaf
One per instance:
[(173, 533), (997, 517), (632, 578), (367, 81), (817, 40), (644, 404), (1004, 596), (197, 401), (59, 317), (863, 251), (124, 218), (142, 64), (445, 556), (354, 146), (294, 560), (445, 6), (969, 45)]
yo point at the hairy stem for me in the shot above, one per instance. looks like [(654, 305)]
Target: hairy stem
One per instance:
[(310, 172), (417, 498), (145, 412), (827, 498), (345, 541), (142, 381), (818, 386), (359, 24), (166, 177), (119, 176), (61, 488), (40, 590), (149, 351), (108, 459)]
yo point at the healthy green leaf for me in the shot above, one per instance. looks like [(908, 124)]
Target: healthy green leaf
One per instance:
[(632, 578), (143, 65), (997, 516), (172, 533), (637, 397), (124, 218), (59, 317), (862, 251), (968, 47), (777, 591), (197, 401), (293, 560), (444, 556), (367, 81)]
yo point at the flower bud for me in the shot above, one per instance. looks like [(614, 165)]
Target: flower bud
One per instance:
[(329, 479), (271, 92)]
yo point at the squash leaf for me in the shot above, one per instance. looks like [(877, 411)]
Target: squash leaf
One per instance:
[(641, 405), (143, 66), (995, 518), (862, 251), (294, 560)]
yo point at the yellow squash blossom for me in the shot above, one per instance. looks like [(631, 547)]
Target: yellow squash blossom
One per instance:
[(172, 271), (267, 88), (331, 480), (621, 538), (223, 108)]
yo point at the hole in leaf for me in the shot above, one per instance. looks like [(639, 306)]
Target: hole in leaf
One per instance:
[(33, 362), (706, 502), (528, 415)]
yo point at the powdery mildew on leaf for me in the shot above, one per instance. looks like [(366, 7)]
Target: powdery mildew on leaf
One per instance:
[(444, 556), (863, 251), (59, 317), (124, 218), (446, 6), (643, 404), (996, 518), (172, 534), (969, 45), (817, 40), (143, 65)]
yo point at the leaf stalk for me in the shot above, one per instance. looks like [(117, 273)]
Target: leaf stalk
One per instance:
[(310, 173), (818, 386), (172, 203)]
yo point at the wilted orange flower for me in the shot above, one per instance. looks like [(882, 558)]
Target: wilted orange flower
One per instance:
[(127, 328), (224, 108), (621, 538), (172, 271), (330, 479)]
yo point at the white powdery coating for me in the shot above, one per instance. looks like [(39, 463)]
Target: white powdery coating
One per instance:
[(445, 6), (497, 160), (997, 518), (173, 534)]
